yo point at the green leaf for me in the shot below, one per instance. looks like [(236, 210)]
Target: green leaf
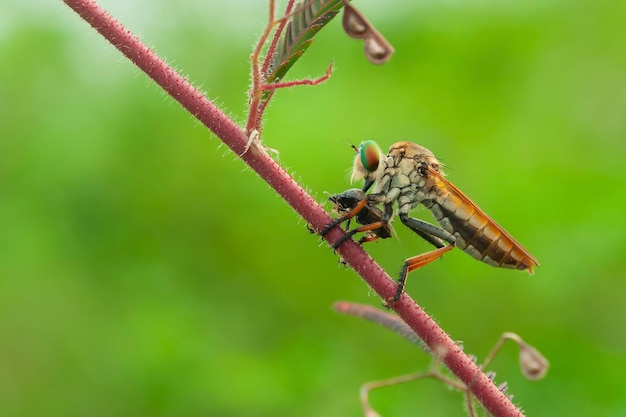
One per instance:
[(298, 35)]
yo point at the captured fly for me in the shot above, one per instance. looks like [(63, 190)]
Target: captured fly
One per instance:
[(367, 213)]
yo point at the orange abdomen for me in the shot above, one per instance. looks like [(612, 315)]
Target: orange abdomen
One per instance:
[(475, 232)]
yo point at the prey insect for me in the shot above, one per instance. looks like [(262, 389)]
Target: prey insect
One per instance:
[(346, 203), (411, 175)]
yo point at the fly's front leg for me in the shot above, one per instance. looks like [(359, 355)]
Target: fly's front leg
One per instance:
[(432, 234), (380, 224), (357, 208)]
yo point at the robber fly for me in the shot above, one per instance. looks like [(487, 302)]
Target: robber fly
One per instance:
[(369, 213), (410, 175)]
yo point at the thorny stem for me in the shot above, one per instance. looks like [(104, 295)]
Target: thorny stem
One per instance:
[(231, 134)]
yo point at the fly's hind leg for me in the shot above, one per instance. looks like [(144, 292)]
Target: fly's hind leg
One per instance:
[(416, 262), (433, 235)]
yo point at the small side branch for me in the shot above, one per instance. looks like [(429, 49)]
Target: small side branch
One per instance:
[(276, 86), (532, 363)]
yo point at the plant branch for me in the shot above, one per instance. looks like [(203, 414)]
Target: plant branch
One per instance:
[(258, 78), (226, 129), (276, 86), (277, 34)]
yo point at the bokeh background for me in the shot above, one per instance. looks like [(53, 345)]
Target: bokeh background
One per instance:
[(145, 271)]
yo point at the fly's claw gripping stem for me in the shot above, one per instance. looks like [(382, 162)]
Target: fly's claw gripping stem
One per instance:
[(342, 239), (332, 225)]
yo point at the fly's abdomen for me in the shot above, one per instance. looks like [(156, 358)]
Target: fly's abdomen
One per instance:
[(476, 233)]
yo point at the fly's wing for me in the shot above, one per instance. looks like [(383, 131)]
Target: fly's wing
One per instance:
[(471, 216)]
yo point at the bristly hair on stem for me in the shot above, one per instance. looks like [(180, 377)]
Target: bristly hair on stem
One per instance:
[(298, 198)]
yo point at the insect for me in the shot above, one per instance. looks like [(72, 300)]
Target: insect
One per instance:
[(411, 175), (369, 213)]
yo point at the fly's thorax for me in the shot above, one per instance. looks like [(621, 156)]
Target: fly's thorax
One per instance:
[(420, 191), (405, 178), (410, 163), (407, 201), (401, 151), (384, 182)]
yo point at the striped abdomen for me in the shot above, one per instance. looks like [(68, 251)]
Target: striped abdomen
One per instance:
[(475, 232)]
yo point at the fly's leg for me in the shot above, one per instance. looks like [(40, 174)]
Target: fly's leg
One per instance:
[(369, 238), (342, 219), (382, 223), (432, 234), (417, 262), (364, 228)]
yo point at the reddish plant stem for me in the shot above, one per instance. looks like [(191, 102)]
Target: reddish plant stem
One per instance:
[(226, 129), (258, 78), (279, 31)]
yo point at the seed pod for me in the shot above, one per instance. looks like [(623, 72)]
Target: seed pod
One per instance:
[(354, 24), (532, 363), (377, 49)]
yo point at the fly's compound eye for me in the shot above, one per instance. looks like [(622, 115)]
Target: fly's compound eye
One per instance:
[(370, 155)]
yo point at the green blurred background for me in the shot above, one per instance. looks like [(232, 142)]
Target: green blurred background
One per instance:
[(145, 271)]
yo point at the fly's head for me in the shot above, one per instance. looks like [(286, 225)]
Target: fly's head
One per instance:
[(368, 163)]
